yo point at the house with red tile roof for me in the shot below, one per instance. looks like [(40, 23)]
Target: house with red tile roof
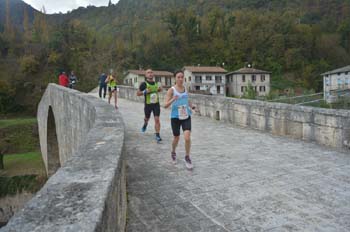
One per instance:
[(205, 79)]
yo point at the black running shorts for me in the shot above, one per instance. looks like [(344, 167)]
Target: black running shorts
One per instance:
[(149, 108), (177, 123), (110, 89)]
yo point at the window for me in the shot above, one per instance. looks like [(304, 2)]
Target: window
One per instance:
[(189, 79), (198, 79), (197, 88), (242, 89), (243, 78), (253, 78), (158, 79), (208, 78), (255, 88), (262, 89), (327, 81), (231, 79), (218, 79), (218, 89), (338, 74), (135, 80), (346, 73), (167, 81), (262, 78)]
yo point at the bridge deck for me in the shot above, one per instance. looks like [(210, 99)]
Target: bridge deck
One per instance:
[(243, 180)]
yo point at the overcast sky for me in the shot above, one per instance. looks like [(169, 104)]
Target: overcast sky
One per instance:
[(55, 6)]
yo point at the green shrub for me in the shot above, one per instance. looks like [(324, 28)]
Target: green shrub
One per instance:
[(29, 64), (19, 184)]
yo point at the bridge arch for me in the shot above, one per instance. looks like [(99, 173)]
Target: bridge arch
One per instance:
[(81, 139), (53, 158)]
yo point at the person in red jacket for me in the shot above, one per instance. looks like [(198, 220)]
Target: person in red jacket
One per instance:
[(63, 79)]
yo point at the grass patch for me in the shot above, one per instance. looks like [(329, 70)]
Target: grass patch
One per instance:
[(23, 164), (18, 184), (19, 136), (17, 121)]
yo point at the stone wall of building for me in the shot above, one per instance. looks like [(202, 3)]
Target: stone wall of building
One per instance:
[(323, 126), (87, 188)]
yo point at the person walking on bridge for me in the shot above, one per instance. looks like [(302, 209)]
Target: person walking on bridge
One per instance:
[(181, 111), (150, 90), (63, 79), (72, 80), (112, 89), (102, 85)]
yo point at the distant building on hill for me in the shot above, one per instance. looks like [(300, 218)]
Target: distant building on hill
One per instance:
[(205, 79), (336, 83), (237, 82)]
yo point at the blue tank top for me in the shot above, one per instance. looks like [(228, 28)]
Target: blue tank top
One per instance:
[(180, 108)]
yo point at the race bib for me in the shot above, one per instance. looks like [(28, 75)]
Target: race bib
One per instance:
[(153, 98), (182, 110)]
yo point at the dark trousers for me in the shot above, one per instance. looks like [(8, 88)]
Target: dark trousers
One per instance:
[(104, 88)]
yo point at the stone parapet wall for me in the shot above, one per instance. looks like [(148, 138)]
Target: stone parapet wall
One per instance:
[(88, 191), (324, 126)]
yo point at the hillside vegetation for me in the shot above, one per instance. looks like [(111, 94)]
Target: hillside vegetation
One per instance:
[(296, 40)]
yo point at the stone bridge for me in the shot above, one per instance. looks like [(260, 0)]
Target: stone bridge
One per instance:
[(258, 167)]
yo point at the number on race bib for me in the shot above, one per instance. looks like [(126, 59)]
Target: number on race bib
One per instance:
[(182, 110), (153, 98)]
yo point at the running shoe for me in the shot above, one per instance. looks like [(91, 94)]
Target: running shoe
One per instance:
[(173, 157), (158, 138), (188, 163), (144, 128)]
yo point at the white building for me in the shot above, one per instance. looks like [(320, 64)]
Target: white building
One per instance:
[(136, 77), (210, 80), (336, 83), (237, 82)]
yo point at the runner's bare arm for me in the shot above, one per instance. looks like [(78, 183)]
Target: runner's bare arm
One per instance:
[(192, 107), (169, 99), (139, 93), (107, 79)]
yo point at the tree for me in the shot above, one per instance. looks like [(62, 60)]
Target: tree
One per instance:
[(173, 23), (191, 27), (1, 161), (250, 93), (40, 27), (26, 24), (29, 64), (9, 30), (344, 31)]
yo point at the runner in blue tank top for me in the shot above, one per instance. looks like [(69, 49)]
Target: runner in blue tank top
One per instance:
[(181, 111)]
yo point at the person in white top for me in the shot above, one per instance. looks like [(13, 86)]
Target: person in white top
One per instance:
[(181, 111)]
